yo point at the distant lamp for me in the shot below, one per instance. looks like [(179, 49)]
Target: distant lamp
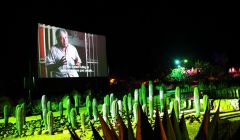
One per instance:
[(177, 62), (112, 81), (185, 60)]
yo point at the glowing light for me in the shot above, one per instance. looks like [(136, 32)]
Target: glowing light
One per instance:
[(112, 81), (235, 72), (177, 62), (145, 82), (185, 60)]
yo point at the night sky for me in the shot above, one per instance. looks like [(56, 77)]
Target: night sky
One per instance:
[(141, 38)]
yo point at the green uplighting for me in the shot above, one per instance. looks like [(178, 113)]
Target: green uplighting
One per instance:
[(185, 60), (177, 62)]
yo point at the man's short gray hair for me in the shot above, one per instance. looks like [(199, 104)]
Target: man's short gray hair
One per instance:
[(58, 33)]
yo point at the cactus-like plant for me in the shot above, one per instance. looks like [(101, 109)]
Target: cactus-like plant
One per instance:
[(205, 102), (83, 122), (171, 105), (87, 100), (50, 122), (60, 106), (5, 112), (177, 97), (107, 103), (114, 111), (44, 110), (73, 118), (189, 102), (237, 93), (150, 87), (19, 119), (167, 102), (196, 102), (119, 107), (140, 96), (44, 102), (151, 101), (45, 118), (68, 109), (144, 98), (136, 95), (144, 108), (77, 102), (184, 103), (49, 106), (94, 108), (176, 108), (89, 106), (135, 112), (129, 103), (125, 97), (24, 108), (111, 100), (104, 111), (89, 109), (161, 96)]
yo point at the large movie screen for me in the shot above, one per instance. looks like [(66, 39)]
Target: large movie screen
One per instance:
[(64, 53)]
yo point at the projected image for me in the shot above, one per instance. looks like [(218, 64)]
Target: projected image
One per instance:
[(67, 53)]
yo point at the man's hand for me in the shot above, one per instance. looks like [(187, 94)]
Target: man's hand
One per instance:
[(62, 61)]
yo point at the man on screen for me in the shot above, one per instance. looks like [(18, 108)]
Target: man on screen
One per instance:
[(63, 58)]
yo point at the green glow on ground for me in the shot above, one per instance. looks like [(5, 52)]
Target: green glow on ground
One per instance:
[(233, 117), (192, 128)]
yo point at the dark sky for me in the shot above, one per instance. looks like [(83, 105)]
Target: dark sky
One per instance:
[(141, 37)]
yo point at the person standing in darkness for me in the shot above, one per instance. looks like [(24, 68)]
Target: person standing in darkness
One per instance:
[(63, 59)]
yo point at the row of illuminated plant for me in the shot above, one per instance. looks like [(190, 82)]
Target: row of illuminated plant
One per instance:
[(134, 114)]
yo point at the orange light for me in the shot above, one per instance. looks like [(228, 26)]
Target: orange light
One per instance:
[(112, 81)]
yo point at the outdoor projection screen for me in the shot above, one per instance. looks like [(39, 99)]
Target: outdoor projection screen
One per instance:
[(91, 49)]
